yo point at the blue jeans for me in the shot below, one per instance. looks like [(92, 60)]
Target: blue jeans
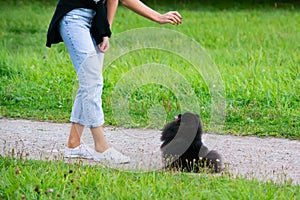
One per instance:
[(87, 61)]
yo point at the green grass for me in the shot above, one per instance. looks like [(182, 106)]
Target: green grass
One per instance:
[(57, 180), (257, 55), (256, 52)]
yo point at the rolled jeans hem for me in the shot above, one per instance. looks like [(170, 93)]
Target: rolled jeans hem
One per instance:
[(86, 124)]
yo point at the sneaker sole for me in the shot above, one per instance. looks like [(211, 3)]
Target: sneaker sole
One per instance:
[(77, 156)]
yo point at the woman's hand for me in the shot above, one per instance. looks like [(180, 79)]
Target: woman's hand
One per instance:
[(172, 17), (104, 45), (140, 8)]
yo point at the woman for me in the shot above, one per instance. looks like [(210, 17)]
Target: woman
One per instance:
[(84, 27)]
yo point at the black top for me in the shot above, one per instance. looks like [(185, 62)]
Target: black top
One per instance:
[(100, 25)]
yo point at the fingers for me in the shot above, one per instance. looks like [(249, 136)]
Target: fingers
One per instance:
[(104, 45), (175, 17), (172, 17)]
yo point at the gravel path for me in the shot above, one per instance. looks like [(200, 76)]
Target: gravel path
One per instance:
[(262, 158)]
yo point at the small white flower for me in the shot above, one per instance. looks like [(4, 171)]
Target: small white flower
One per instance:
[(51, 190)]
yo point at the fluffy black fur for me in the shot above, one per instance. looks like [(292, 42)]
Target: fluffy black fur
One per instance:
[(196, 156)]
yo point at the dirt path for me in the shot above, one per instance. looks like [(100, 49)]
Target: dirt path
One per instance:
[(263, 158)]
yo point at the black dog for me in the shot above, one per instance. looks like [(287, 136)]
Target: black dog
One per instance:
[(183, 149)]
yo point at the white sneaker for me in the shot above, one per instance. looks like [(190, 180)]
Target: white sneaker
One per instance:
[(81, 151), (111, 155)]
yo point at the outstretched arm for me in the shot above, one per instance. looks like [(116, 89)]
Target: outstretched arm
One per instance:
[(140, 8), (112, 6), (172, 17)]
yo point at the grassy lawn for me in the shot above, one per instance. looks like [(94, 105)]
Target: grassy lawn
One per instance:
[(255, 51), (56, 180)]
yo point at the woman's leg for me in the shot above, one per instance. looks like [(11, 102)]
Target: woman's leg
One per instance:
[(99, 139), (75, 134), (98, 135), (87, 107)]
